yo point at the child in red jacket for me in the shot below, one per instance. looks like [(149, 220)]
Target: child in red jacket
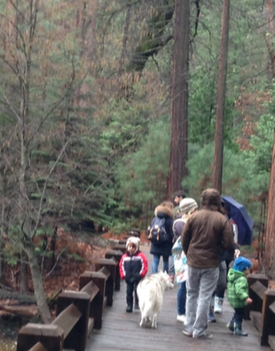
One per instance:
[(133, 266)]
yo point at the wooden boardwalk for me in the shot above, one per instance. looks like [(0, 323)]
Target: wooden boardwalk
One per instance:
[(121, 330)]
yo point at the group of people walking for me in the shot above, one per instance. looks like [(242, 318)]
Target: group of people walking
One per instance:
[(201, 241)]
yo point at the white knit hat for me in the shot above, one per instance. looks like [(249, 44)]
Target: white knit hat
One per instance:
[(188, 204), (133, 240)]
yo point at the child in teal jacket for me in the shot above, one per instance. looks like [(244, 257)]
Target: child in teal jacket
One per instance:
[(237, 289)]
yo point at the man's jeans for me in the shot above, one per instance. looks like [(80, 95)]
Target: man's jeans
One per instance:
[(200, 286)]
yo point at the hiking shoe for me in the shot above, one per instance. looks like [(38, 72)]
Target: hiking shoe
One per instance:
[(230, 326), (203, 337), (187, 333), (211, 317)]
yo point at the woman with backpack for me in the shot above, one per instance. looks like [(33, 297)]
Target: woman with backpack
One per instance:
[(160, 234)]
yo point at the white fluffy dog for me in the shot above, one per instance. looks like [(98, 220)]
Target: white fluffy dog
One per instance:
[(150, 293)]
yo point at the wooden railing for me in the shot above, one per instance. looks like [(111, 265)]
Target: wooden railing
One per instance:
[(262, 310), (78, 312)]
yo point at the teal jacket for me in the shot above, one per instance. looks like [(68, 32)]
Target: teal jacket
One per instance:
[(237, 288)]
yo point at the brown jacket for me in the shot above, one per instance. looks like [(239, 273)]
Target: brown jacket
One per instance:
[(206, 233)]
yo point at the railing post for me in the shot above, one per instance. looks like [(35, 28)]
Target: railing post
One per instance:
[(120, 247), (115, 254), (267, 320), (50, 336), (252, 278), (110, 265), (77, 337), (97, 305)]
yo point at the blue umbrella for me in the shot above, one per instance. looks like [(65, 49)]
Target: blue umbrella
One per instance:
[(243, 220)]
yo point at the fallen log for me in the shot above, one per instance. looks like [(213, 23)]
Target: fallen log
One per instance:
[(15, 295), (23, 311)]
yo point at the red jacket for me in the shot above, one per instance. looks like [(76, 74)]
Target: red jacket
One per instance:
[(130, 266)]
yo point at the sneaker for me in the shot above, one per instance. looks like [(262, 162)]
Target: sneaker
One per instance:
[(187, 333), (206, 336), (129, 309), (218, 304), (181, 318), (211, 317), (136, 306)]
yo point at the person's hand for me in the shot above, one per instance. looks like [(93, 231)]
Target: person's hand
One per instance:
[(248, 300), (237, 253)]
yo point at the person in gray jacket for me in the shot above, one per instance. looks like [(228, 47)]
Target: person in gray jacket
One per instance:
[(205, 234)]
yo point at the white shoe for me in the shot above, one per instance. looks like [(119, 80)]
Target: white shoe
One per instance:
[(181, 318), (218, 304)]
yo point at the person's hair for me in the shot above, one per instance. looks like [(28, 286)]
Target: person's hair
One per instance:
[(186, 216), (226, 208), (179, 193), (168, 204)]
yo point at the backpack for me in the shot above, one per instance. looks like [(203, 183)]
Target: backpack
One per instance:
[(156, 232)]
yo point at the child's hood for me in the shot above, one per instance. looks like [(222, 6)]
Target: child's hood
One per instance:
[(234, 275)]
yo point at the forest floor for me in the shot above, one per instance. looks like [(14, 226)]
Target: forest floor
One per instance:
[(75, 253)]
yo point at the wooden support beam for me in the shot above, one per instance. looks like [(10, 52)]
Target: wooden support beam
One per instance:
[(257, 303), (38, 347), (110, 265), (120, 247), (50, 336), (98, 303), (67, 319), (268, 316), (77, 337), (116, 255)]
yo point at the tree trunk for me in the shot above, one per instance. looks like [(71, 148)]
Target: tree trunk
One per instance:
[(269, 245), (219, 130), (39, 291), (25, 216), (179, 113), (49, 262), (152, 41), (125, 38), (269, 40), (23, 272)]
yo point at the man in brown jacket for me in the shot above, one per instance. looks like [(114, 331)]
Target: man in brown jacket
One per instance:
[(204, 235)]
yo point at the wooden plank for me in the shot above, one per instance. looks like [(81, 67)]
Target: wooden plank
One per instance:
[(256, 319), (104, 271), (38, 347), (51, 336), (120, 247), (259, 289), (67, 319), (121, 331), (91, 324), (91, 289), (271, 341), (272, 307)]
